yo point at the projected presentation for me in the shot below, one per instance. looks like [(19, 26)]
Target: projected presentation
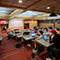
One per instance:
[(16, 23)]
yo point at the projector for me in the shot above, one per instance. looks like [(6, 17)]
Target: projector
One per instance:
[(52, 15)]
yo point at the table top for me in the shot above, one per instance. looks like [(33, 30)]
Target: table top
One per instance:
[(19, 36), (30, 37), (47, 33), (44, 43)]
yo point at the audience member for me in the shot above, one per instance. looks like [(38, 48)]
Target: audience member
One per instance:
[(36, 31), (41, 35), (56, 47), (58, 31)]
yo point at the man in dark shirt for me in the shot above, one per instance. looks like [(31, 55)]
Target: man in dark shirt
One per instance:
[(56, 47)]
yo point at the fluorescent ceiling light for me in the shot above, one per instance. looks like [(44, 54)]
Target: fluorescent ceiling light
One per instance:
[(31, 13), (3, 11)]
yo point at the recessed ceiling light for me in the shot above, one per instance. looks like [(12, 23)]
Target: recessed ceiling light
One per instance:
[(48, 7), (20, 1)]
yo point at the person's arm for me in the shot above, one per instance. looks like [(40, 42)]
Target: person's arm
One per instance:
[(39, 38), (50, 40)]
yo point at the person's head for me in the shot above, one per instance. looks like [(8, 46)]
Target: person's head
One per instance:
[(36, 29), (41, 32), (46, 29), (53, 32), (58, 29)]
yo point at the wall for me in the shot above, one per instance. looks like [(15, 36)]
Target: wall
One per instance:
[(57, 25), (3, 25), (32, 24), (46, 24)]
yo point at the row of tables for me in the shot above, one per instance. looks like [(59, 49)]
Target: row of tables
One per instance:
[(41, 42), (29, 37)]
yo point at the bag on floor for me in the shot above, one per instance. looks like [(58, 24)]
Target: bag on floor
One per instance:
[(18, 45)]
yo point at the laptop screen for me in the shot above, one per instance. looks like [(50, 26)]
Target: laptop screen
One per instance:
[(45, 37), (32, 31), (42, 30), (33, 34)]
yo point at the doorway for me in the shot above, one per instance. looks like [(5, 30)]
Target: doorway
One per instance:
[(26, 25)]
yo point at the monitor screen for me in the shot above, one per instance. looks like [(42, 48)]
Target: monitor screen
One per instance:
[(45, 37)]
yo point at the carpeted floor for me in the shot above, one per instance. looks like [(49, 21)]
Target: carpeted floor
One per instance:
[(8, 51)]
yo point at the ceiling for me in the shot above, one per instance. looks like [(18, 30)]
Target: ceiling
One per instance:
[(25, 8), (31, 13), (38, 5)]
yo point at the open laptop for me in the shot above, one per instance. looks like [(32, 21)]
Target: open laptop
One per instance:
[(43, 30), (33, 34), (45, 38)]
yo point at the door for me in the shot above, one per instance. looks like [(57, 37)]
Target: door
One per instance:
[(26, 25)]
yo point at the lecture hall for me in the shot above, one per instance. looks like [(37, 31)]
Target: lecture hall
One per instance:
[(29, 29)]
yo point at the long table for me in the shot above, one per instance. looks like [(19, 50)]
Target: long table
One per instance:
[(30, 37), (47, 33), (18, 35), (44, 43)]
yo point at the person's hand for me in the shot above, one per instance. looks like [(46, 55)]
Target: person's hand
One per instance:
[(36, 38)]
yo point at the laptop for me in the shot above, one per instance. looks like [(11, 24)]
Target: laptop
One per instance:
[(33, 34), (43, 30), (45, 38)]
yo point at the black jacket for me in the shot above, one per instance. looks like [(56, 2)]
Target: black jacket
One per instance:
[(56, 41)]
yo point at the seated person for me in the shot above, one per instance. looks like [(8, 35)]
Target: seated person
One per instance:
[(45, 30), (56, 47), (36, 31), (35, 27), (58, 31), (50, 27), (41, 36)]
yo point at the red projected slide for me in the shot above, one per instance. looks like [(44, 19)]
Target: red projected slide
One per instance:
[(3, 22), (16, 22)]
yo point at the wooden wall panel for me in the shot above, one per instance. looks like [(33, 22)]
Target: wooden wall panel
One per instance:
[(57, 25), (46, 24), (32, 24)]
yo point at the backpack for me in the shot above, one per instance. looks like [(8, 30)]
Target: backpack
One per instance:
[(18, 45)]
